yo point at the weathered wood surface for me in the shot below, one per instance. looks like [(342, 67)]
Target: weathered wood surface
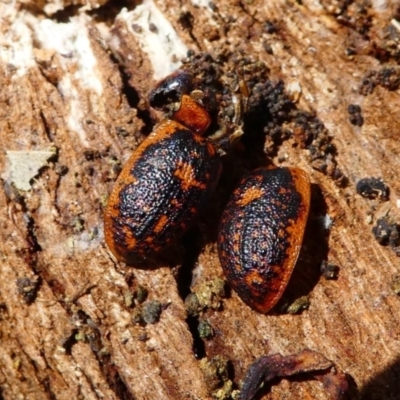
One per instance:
[(64, 85)]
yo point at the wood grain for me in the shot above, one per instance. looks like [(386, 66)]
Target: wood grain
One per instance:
[(77, 338)]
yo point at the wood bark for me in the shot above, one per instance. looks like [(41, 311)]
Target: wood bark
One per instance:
[(74, 81)]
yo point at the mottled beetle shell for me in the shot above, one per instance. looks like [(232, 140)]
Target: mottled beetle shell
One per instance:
[(160, 192), (261, 232)]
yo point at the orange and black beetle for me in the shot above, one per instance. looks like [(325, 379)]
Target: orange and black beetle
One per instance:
[(166, 182), (169, 178), (261, 232)]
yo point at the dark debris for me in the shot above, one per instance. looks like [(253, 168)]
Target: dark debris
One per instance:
[(355, 115), (151, 312), (329, 271), (28, 288), (271, 116), (267, 368), (387, 233), (387, 77), (372, 188)]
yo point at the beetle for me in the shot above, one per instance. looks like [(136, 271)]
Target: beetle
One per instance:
[(167, 181), (261, 231)]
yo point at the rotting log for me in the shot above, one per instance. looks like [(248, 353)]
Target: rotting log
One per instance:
[(74, 86)]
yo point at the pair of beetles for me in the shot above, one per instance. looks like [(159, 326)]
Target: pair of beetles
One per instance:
[(168, 180)]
